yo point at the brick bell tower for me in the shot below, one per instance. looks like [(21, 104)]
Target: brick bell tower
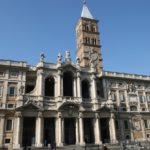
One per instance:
[(88, 43)]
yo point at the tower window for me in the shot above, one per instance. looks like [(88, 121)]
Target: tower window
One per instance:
[(85, 27), (93, 29)]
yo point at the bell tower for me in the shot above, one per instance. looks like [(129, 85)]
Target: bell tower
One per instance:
[(88, 43)]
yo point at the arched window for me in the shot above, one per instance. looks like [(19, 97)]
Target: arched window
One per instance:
[(49, 86), (68, 84), (85, 89), (133, 108)]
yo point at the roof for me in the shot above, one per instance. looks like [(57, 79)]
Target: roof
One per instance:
[(85, 12)]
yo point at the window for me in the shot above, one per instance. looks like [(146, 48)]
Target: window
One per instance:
[(8, 125), (1, 90), (49, 86), (148, 135), (7, 141), (121, 95), (126, 126), (12, 90), (1, 73), (145, 124), (148, 97), (141, 98), (85, 89), (14, 73)]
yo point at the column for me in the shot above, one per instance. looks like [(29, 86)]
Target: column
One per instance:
[(77, 130), (74, 87), (131, 128), (59, 84), (39, 130), (93, 89), (97, 130), (2, 121), (78, 85), (58, 131), (81, 130), (112, 129), (62, 130), (17, 130), (145, 101)]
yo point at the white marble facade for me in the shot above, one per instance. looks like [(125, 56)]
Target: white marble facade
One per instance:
[(71, 104)]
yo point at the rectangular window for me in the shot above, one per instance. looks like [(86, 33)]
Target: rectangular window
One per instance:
[(7, 141), (1, 73), (145, 124), (148, 97), (121, 95), (11, 91), (14, 74), (126, 126), (9, 125)]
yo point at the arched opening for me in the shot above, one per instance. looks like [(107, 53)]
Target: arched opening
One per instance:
[(85, 89), (49, 86), (68, 84)]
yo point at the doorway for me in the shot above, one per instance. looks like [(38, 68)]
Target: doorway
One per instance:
[(69, 131), (28, 131), (104, 126), (88, 130), (49, 131)]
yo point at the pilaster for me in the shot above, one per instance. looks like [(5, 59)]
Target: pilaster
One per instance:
[(17, 131), (77, 130), (78, 85), (2, 121), (112, 129)]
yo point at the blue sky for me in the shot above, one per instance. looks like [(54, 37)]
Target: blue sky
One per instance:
[(28, 27)]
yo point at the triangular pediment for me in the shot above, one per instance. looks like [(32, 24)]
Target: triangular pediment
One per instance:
[(29, 106), (69, 66)]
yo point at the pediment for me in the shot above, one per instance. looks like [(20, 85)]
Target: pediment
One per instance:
[(69, 66), (29, 106)]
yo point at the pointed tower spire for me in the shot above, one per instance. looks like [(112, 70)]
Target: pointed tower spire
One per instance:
[(85, 11)]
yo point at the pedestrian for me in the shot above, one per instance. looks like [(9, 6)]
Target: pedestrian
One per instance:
[(105, 147)]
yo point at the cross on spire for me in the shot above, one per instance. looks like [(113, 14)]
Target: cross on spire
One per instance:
[(84, 1)]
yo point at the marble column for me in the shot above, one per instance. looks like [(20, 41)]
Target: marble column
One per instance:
[(58, 131), (59, 84), (77, 130), (40, 82), (74, 86), (81, 130), (17, 130), (96, 130), (62, 130), (2, 121), (112, 129), (93, 89), (39, 130), (78, 85)]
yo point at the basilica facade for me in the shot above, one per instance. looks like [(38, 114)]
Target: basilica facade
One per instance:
[(72, 103)]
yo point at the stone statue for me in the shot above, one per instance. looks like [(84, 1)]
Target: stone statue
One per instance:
[(42, 57), (59, 58), (67, 57), (78, 60), (21, 90), (131, 88)]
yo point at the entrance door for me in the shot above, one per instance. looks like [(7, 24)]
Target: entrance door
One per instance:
[(104, 125), (28, 131), (49, 131), (88, 130), (69, 131)]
